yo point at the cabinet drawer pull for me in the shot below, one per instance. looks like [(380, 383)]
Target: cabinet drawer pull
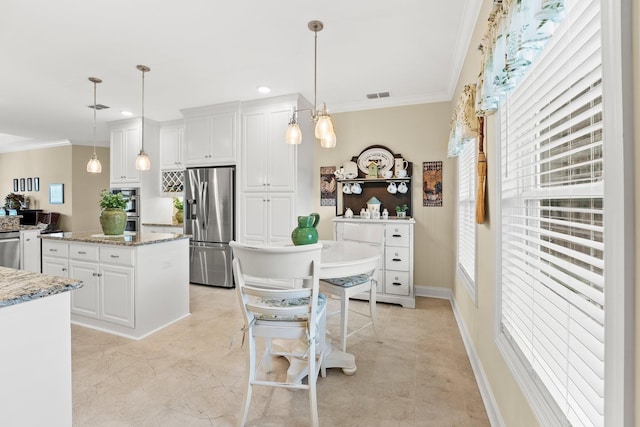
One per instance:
[(53, 250), (82, 253), (397, 259), (396, 284), (114, 256), (28, 240), (397, 235)]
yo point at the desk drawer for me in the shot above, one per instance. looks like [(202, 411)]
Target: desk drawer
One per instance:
[(56, 249), (397, 235), (83, 252), (116, 255), (396, 282), (396, 258)]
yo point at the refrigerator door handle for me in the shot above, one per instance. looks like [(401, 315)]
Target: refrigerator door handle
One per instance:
[(205, 204)]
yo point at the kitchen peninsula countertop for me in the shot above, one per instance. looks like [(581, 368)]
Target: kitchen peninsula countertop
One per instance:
[(127, 239), (17, 286)]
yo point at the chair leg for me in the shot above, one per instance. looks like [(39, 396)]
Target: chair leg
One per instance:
[(312, 379), (251, 368), (372, 309), (344, 321)]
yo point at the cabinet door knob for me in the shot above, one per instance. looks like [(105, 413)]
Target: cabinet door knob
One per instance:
[(64, 269)]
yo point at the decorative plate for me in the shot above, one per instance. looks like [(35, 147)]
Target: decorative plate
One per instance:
[(350, 170), (377, 154)]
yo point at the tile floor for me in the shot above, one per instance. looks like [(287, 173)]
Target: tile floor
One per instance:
[(191, 373)]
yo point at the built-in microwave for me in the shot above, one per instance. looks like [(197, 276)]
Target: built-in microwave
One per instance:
[(133, 200)]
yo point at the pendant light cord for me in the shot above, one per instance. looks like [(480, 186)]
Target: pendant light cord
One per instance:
[(95, 83), (142, 133)]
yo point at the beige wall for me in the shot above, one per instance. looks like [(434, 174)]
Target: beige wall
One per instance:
[(419, 133), (479, 318), (60, 165)]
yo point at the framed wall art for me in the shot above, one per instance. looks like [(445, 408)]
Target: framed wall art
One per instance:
[(22, 184), (29, 184), (15, 185), (432, 183), (36, 184), (328, 186), (56, 194)]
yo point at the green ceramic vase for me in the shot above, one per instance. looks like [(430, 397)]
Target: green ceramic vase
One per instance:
[(305, 233), (113, 221), (179, 217)]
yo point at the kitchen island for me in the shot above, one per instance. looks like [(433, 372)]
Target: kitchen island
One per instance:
[(35, 348), (134, 284)]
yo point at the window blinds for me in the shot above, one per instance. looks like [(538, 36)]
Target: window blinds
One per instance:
[(467, 212), (553, 290)]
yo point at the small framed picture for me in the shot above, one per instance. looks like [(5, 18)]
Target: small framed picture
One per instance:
[(29, 184), (36, 184), (15, 185), (21, 184), (56, 194)]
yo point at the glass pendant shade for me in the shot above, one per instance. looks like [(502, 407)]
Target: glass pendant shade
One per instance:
[(143, 163), (329, 141), (324, 126), (294, 134), (94, 165)]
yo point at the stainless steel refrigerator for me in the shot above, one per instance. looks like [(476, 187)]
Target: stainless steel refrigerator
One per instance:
[(209, 212)]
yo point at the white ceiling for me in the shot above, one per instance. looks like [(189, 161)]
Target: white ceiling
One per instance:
[(204, 52)]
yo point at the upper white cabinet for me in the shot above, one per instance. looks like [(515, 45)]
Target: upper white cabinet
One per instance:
[(126, 141), (125, 146), (211, 134), (171, 146), (268, 163)]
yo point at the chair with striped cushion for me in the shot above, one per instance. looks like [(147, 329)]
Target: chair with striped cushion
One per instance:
[(347, 287), (296, 313)]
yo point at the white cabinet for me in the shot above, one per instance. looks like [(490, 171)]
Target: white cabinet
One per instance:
[(107, 274), (171, 147), (268, 217), (162, 229), (210, 135), (30, 252), (125, 146), (275, 180), (395, 278), (268, 163)]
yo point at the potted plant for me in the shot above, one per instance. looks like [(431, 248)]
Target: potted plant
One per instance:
[(113, 218), (401, 211), (14, 201), (179, 205)]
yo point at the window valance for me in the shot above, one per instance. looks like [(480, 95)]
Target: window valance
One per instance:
[(464, 123), (517, 32)]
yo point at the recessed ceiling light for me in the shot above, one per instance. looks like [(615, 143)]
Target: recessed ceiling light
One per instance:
[(264, 89), (126, 113)]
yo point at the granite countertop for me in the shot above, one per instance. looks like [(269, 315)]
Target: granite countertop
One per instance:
[(17, 286), (163, 224), (127, 239)]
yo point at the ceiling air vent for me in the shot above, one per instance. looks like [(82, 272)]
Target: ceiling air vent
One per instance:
[(99, 106), (378, 95)]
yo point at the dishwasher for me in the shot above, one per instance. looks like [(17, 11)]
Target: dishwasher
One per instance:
[(10, 249)]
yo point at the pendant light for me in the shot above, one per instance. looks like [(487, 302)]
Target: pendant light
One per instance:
[(94, 165), (142, 161), (324, 129)]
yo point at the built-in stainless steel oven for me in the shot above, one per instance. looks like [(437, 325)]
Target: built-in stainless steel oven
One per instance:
[(133, 207)]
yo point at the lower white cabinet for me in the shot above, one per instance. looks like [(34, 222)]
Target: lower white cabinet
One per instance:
[(268, 217), (107, 275), (395, 278), (175, 229), (30, 250)]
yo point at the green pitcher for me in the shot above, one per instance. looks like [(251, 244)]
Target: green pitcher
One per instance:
[(305, 233)]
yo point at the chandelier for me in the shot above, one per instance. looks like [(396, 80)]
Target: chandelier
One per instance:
[(324, 129)]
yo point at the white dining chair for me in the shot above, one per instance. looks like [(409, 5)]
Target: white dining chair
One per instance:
[(347, 287), (296, 313)]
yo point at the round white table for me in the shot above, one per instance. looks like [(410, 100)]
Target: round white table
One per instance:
[(339, 259)]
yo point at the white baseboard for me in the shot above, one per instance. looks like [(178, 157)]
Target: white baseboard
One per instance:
[(432, 292), (488, 398)]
